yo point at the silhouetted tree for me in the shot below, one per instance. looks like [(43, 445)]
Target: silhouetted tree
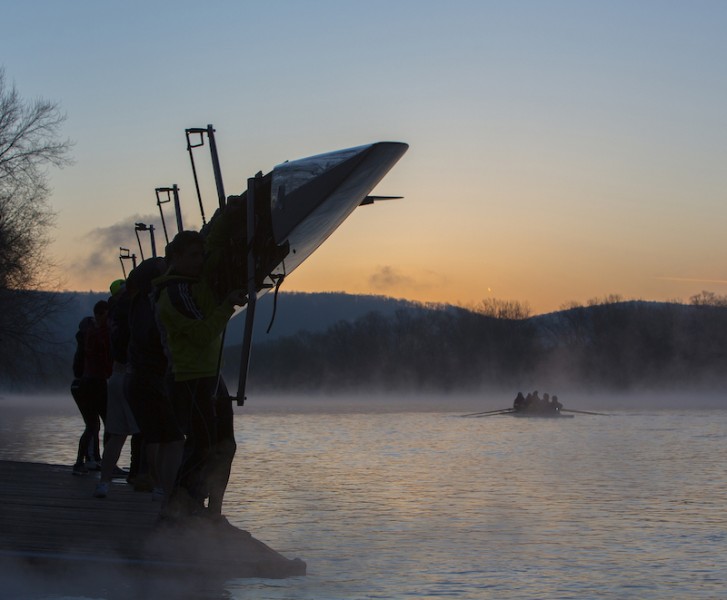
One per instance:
[(609, 344), (29, 142), (503, 309), (705, 298), (607, 299)]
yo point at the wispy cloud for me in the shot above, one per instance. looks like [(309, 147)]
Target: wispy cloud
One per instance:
[(387, 278), (101, 256), (691, 280)]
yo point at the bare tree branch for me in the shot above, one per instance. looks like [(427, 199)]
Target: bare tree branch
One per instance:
[(29, 143)]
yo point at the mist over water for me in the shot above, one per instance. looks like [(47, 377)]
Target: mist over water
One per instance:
[(393, 497)]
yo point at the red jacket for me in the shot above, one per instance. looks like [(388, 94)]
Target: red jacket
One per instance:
[(97, 359)]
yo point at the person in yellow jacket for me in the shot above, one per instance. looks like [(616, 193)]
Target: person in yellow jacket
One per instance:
[(192, 320)]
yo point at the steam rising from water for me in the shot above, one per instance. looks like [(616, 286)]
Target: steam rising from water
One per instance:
[(62, 405)]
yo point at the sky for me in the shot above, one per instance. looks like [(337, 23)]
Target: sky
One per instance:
[(559, 150)]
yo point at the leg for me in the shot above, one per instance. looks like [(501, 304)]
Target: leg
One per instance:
[(82, 392), (195, 397), (97, 391), (139, 466), (169, 457), (151, 404), (111, 453), (218, 475)]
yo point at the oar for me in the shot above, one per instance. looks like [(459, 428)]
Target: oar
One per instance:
[(504, 411), (487, 412), (583, 412)]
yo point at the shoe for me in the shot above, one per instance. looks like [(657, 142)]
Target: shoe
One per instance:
[(102, 490), (80, 469), (157, 494), (119, 473), (93, 465)]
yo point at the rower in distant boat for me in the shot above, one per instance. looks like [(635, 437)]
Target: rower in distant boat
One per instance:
[(534, 404)]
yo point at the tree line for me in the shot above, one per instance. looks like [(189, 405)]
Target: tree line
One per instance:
[(607, 343)]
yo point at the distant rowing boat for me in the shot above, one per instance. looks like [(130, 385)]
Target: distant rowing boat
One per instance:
[(538, 413)]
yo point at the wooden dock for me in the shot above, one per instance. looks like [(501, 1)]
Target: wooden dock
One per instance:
[(50, 520)]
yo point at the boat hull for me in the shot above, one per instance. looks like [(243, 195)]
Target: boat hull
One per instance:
[(300, 203), (312, 196), (540, 415)]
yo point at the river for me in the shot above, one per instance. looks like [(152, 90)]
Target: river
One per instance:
[(388, 498)]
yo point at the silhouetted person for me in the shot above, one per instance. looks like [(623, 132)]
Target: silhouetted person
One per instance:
[(120, 421), (148, 383), (94, 367), (519, 403), (193, 320)]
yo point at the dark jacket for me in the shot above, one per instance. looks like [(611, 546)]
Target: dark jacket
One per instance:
[(97, 362)]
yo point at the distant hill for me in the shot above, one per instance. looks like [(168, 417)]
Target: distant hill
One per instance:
[(298, 311), (340, 341), (612, 346), (295, 312)]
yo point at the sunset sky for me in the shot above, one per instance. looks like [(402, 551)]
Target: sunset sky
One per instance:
[(559, 150)]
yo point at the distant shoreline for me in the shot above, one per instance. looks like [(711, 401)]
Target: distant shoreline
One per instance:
[(392, 402)]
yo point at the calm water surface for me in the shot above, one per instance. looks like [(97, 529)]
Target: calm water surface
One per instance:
[(427, 504)]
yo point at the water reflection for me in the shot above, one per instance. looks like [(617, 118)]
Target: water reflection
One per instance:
[(428, 504)]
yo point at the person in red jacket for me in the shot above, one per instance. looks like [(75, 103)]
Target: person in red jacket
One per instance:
[(94, 338)]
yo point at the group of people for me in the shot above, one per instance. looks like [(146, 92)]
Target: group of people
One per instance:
[(148, 365), (98, 380), (533, 402)]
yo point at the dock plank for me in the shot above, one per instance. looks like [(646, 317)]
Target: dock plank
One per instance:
[(49, 516)]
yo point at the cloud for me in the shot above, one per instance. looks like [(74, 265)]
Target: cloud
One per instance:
[(691, 280), (388, 278), (101, 258)]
